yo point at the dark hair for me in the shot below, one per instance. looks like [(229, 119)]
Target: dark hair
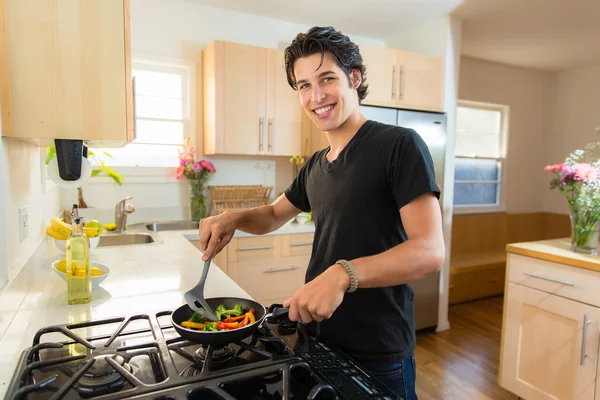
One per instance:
[(326, 39)]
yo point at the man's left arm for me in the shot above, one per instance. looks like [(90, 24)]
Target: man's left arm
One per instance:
[(421, 254)]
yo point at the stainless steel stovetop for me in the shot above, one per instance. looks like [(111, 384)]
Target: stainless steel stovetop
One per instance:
[(143, 357)]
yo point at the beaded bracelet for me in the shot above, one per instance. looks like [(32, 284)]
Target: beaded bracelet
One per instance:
[(352, 273)]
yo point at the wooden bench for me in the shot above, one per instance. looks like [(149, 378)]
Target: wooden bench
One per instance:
[(475, 276), (478, 255)]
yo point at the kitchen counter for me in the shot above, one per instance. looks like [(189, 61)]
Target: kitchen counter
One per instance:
[(556, 250), (144, 279)]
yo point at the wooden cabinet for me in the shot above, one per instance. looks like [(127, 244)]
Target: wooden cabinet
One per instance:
[(551, 330), (65, 71), (270, 268), (248, 107), (403, 79)]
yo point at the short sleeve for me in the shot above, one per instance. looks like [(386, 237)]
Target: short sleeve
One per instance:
[(411, 172), (296, 192)]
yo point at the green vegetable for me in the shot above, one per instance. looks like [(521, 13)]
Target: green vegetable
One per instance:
[(197, 317), (221, 311), (211, 326)]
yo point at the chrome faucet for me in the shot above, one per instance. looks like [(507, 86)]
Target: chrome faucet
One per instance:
[(121, 210)]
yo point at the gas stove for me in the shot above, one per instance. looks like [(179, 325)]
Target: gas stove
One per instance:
[(143, 357)]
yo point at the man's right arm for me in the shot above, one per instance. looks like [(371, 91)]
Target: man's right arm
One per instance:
[(216, 232)]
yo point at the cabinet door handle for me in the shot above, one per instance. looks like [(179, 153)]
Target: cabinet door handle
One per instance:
[(294, 244), (255, 248), (394, 82), (133, 106), (402, 75), (290, 268), (261, 126), (586, 322), (536, 275), (269, 134)]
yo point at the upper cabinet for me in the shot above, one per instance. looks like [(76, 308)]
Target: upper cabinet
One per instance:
[(402, 79), (65, 71), (248, 107)]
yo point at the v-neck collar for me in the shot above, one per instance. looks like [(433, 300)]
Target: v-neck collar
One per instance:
[(347, 148)]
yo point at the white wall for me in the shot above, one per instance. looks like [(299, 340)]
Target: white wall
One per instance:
[(430, 38), (574, 117), (179, 30), (21, 185), (528, 93)]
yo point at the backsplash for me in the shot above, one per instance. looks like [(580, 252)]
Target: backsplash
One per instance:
[(157, 195), (21, 185)]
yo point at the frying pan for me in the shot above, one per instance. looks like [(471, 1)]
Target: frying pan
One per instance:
[(184, 313)]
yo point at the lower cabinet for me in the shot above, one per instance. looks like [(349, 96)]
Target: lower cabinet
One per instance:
[(550, 338), (270, 268)]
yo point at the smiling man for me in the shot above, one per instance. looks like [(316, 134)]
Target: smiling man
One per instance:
[(374, 202)]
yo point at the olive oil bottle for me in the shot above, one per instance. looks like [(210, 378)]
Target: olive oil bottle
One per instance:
[(77, 248)]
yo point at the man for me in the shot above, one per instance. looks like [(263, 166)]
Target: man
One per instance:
[(375, 206)]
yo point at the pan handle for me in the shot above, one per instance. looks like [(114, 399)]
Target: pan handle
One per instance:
[(277, 314)]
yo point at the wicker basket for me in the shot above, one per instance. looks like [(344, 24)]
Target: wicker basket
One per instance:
[(237, 197)]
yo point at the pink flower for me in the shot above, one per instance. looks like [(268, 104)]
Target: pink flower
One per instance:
[(208, 165), (198, 167), (585, 171), (555, 167), (179, 172)]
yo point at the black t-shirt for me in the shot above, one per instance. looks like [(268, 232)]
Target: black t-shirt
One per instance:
[(355, 202)]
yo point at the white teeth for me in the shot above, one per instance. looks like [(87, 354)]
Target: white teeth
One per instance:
[(321, 111)]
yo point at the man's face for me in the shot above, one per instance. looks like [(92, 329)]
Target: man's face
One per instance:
[(325, 92)]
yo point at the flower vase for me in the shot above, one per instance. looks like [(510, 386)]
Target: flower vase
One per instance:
[(197, 206), (585, 232)]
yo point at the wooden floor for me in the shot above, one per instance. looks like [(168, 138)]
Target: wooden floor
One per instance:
[(462, 362)]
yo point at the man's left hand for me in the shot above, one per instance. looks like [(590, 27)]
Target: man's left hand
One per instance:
[(318, 299)]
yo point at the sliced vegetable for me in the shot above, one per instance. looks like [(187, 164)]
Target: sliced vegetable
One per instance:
[(194, 325), (234, 319)]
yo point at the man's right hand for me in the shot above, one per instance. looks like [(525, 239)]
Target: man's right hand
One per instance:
[(215, 232)]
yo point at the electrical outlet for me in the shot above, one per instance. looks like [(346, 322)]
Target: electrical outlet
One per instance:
[(23, 223)]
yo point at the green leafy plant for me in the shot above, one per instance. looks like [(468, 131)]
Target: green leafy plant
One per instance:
[(98, 165)]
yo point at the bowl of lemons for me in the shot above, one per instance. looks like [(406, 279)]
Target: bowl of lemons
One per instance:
[(99, 271)]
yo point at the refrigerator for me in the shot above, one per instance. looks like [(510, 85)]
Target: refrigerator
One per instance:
[(432, 128)]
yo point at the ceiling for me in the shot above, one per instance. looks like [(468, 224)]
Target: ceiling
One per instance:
[(377, 19), (550, 35)]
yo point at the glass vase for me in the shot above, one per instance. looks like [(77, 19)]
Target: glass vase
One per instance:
[(585, 232), (197, 205)]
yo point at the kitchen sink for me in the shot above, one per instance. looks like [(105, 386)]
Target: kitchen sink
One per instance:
[(126, 239), (172, 226)]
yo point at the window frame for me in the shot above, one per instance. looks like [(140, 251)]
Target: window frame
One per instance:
[(185, 71), (502, 181)]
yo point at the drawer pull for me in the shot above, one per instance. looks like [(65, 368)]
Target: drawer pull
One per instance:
[(290, 268), (536, 275), (255, 248), (586, 322), (295, 244)]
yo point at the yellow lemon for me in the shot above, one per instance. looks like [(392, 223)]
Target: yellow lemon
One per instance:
[(80, 272), (96, 271), (62, 266)]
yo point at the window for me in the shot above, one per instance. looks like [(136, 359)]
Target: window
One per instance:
[(480, 153), (162, 108)]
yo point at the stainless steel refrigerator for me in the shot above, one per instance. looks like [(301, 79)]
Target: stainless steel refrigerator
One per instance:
[(432, 128)]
